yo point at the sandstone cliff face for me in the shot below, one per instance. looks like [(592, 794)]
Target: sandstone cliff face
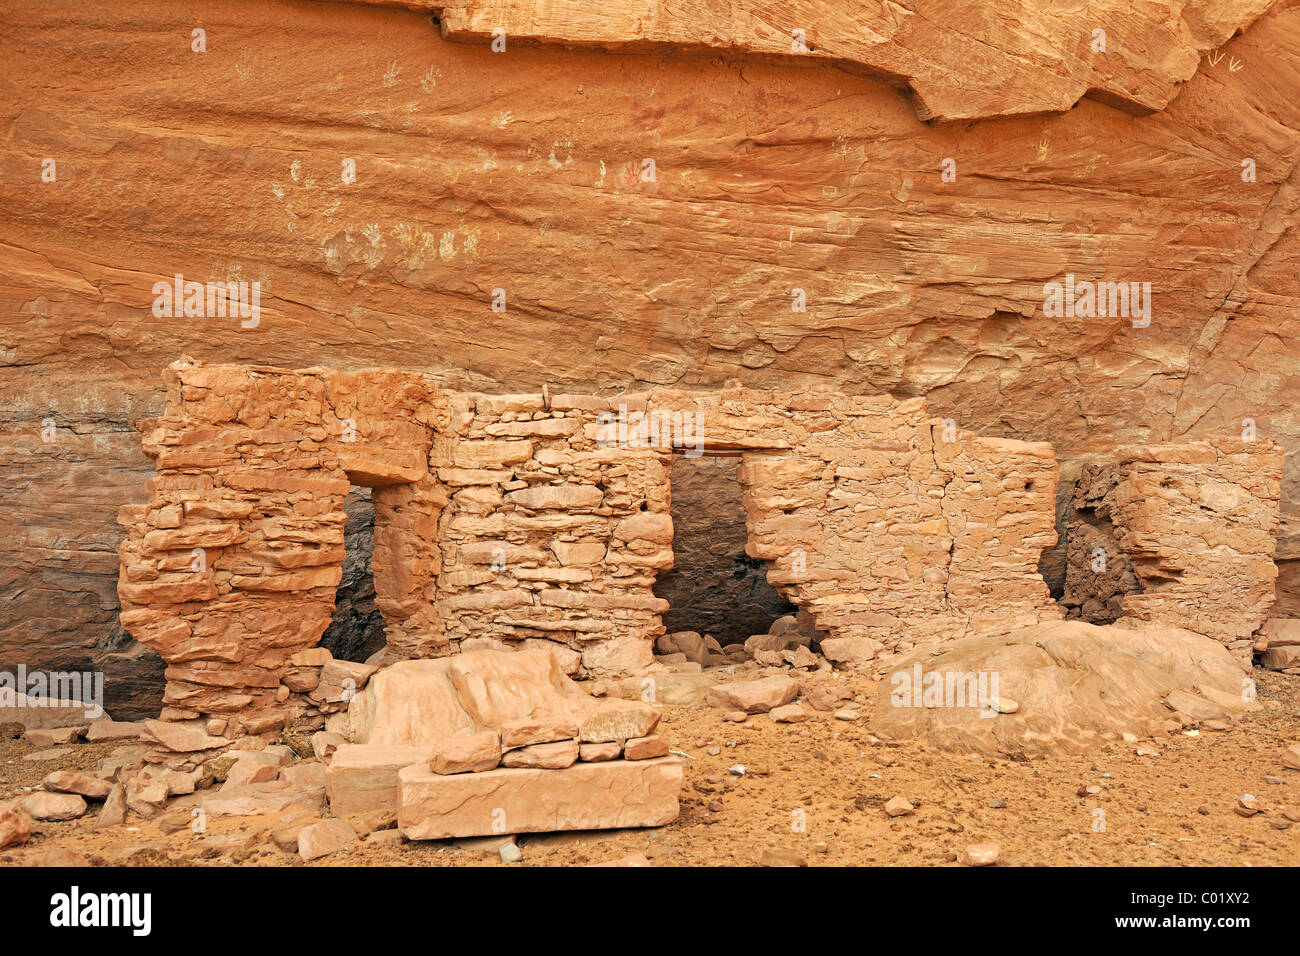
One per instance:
[(775, 179)]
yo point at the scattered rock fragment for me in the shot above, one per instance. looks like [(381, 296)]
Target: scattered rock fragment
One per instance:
[(473, 753), (898, 807), (552, 756), (645, 748), (69, 781), (782, 857), (53, 806), (789, 714), (321, 839), (754, 697), (15, 829), (981, 854)]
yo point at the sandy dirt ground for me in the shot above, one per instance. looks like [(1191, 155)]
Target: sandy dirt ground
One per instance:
[(814, 793)]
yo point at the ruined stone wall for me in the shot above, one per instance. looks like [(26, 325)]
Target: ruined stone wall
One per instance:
[(550, 533), (230, 569), (1189, 532), (897, 529)]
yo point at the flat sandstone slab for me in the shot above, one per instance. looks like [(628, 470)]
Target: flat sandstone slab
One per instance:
[(585, 796)]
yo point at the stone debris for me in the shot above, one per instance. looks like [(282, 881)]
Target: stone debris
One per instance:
[(754, 697), (15, 829), (107, 731), (645, 748), (981, 854), (552, 756), (53, 806), (56, 753), (69, 781), (596, 753), (113, 812), (55, 736), (1291, 757), (1278, 644), (789, 714), (321, 839), (363, 777), (472, 753), (898, 807)]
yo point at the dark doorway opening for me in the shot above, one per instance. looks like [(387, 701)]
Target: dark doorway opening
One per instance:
[(356, 630), (714, 587)]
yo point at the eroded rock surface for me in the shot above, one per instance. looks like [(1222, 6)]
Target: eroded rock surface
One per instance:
[(1060, 687), (525, 171)]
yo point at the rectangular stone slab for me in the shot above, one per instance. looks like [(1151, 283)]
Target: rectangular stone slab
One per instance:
[(585, 796), (363, 777)]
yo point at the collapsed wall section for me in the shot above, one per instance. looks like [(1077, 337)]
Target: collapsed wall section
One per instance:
[(1186, 534)]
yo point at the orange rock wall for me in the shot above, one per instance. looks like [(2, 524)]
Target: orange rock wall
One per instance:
[(775, 171)]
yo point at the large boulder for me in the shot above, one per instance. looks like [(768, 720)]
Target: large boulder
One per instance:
[(1061, 686)]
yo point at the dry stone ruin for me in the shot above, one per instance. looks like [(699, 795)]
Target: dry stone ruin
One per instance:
[(508, 521), (534, 525)]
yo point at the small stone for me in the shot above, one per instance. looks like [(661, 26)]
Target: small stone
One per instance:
[(736, 716), (69, 781), (113, 813), (981, 854), (789, 714), (1216, 725), (54, 754), (714, 751), (846, 713), (54, 736), (325, 742), (1276, 781), (15, 829), (1005, 705), (244, 771), (898, 807), (753, 697), (107, 731), (552, 756), (1247, 805), (736, 770), (645, 748), (321, 839), (1291, 757), (53, 806), (471, 753), (997, 803), (597, 753), (145, 796), (782, 857), (510, 853)]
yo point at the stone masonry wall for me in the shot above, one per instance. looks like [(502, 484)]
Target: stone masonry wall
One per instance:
[(509, 520), (230, 569), (898, 529), (549, 534), (1196, 523)]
